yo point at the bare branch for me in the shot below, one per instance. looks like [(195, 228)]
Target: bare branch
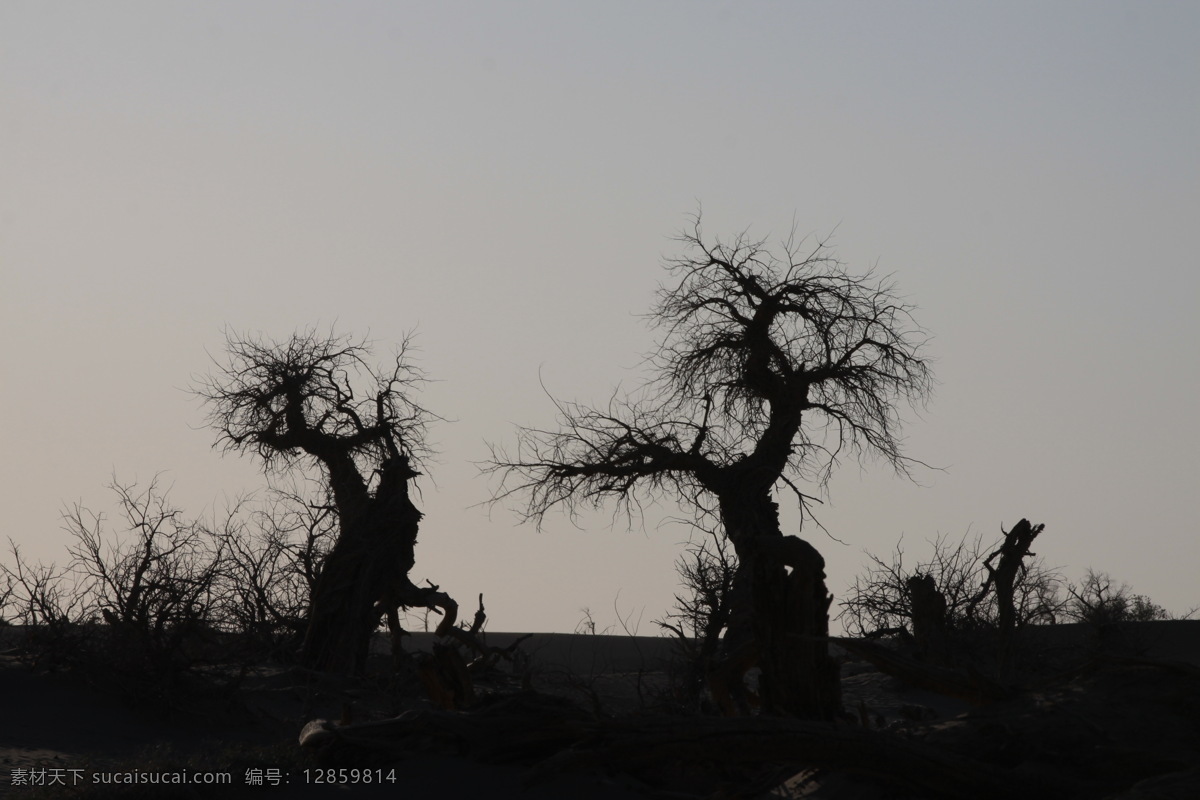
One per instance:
[(297, 398), (767, 366)]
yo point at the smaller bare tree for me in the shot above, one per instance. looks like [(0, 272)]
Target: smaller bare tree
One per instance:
[(701, 614), (46, 602), (880, 603), (155, 584), (42, 595), (273, 566), (136, 600)]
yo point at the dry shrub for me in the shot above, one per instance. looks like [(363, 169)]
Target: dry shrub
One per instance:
[(1100, 600), (879, 603), (700, 616), (154, 599)]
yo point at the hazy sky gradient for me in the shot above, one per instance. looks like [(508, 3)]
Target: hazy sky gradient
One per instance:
[(506, 178)]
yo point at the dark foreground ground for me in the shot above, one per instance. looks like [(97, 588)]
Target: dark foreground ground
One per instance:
[(1127, 726)]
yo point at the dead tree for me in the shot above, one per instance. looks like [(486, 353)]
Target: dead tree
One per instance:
[(1003, 576), (298, 402), (769, 369)]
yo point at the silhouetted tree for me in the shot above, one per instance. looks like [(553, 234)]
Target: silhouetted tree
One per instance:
[(892, 595), (769, 369), (274, 562), (701, 613), (315, 399)]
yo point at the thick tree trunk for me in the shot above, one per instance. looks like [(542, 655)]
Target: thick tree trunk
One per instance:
[(368, 565), (783, 597), (343, 614)]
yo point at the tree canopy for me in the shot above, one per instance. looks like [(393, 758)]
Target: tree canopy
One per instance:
[(776, 365)]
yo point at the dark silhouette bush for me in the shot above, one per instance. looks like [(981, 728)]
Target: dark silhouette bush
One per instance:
[(880, 602)]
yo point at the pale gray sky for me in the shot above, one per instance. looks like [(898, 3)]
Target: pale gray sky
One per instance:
[(506, 177)]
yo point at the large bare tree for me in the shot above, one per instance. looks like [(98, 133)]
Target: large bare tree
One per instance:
[(769, 369), (316, 400)]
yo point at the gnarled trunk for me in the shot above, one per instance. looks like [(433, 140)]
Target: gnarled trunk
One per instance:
[(781, 602), (368, 565), (1012, 553)]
